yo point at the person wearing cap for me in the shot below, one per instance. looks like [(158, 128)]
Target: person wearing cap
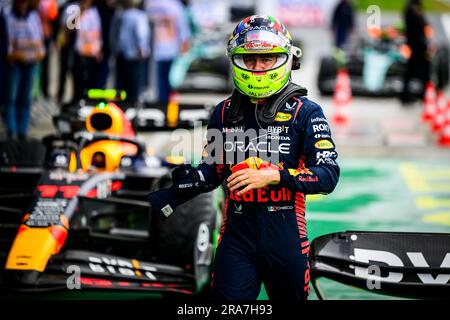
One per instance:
[(268, 146)]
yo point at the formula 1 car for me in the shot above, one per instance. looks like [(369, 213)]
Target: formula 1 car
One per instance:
[(74, 215), (204, 67), (74, 218), (377, 65), (144, 115)]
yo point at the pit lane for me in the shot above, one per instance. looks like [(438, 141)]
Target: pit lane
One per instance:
[(394, 177)]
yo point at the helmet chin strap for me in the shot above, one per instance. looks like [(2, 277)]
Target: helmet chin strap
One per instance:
[(269, 107)]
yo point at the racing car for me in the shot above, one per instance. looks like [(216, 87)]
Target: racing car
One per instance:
[(74, 218), (74, 215), (144, 115), (204, 67), (377, 64)]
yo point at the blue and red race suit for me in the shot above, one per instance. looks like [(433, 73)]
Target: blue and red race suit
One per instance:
[(263, 237)]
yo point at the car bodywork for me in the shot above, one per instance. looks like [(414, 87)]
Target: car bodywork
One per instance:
[(82, 219), (402, 264), (377, 66), (144, 115)]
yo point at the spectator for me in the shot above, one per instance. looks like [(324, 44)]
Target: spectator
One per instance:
[(25, 49), (88, 46), (106, 10), (48, 12), (419, 63), (171, 38), (131, 35), (342, 23), (3, 53), (65, 43)]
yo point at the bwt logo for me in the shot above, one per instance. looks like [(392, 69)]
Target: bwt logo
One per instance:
[(373, 274)]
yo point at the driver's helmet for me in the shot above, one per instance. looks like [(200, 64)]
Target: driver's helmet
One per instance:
[(262, 35)]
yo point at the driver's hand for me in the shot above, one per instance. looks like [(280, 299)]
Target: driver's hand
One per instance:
[(185, 177), (252, 179)]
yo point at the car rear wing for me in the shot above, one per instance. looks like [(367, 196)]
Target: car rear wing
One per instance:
[(147, 116), (403, 264)]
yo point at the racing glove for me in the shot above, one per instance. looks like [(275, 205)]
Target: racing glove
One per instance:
[(187, 182)]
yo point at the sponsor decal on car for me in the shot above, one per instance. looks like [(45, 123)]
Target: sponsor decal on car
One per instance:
[(417, 259), (131, 268)]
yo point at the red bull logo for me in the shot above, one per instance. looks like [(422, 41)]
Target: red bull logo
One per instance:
[(255, 163), (262, 195), (296, 172)]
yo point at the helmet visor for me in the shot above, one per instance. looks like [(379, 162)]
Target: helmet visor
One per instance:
[(259, 40), (259, 62)]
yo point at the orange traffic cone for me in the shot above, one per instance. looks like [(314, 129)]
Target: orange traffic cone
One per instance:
[(439, 119), (342, 98), (444, 139), (429, 102)]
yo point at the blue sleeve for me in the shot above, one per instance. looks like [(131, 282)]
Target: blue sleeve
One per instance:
[(212, 165), (318, 171), (207, 176)]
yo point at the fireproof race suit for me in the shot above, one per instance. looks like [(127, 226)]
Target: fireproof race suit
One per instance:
[(263, 236)]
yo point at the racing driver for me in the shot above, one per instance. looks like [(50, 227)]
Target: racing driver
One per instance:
[(268, 146)]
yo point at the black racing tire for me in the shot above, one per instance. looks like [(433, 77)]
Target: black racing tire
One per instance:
[(327, 70), (172, 240), (29, 153)]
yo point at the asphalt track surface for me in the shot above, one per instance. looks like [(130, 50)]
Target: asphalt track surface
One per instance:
[(394, 176)]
